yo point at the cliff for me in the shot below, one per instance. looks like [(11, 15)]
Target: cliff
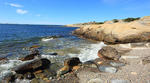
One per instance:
[(118, 32)]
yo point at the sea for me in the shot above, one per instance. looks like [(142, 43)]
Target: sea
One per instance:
[(16, 39)]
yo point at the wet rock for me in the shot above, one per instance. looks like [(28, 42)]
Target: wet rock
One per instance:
[(109, 53), (7, 75), (63, 71), (120, 81), (35, 80), (117, 64), (68, 65), (107, 69), (89, 64), (53, 53), (72, 62), (31, 56), (29, 75), (37, 64), (96, 80), (3, 58)]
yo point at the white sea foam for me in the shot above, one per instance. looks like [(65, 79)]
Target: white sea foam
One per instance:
[(89, 52), (47, 39)]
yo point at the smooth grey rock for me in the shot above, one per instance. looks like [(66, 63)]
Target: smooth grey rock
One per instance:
[(96, 80), (117, 64), (108, 69), (119, 81)]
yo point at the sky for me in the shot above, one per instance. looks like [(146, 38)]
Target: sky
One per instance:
[(63, 12)]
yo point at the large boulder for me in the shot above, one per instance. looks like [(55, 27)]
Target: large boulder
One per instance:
[(31, 66), (109, 53), (121, 32)]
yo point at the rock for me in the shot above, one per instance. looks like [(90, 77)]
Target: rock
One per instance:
[(114, 33), (63, 71), (109, 53), (146, 60), (29, 75), (31, 56), (72, 62), (117, 64), (7, 76), (108, 69), (120, 81), (130, 57), (35, 80), (3, 58), (53, 53), (31, 66), (68, 65), (96, 80), (89, 64)]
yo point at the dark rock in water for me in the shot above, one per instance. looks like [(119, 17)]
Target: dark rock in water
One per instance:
[(31, 56), (34, 65), (53, 53), (3, 58), (109, 53), (108, 69), (72, 62)]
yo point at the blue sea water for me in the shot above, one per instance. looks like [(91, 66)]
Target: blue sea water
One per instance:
[(15, 41), (14, 38)]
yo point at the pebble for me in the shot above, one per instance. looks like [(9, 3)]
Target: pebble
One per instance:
[(108, 69), (96, 80), (120, 81), (117, 64)]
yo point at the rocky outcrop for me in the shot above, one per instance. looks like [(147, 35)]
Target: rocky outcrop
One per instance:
[(120, 32), (109, 53)]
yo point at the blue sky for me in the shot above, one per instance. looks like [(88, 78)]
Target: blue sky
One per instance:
[(70, 11)]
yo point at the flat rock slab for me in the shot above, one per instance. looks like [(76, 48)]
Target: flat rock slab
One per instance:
[(107, 69)]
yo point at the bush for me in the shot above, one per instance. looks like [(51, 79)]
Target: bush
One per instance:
[(130, 19), (99, 23), (115, 20)]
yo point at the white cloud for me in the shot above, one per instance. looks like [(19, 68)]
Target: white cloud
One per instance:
[(14, 5), (20, 11)]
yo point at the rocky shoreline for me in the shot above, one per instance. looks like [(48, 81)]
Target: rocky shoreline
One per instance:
[(131, 66), (117, 32), (125, 60)]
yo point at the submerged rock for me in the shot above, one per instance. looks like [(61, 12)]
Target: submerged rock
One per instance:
[(34, 53), (31, 66), (108, 69), (109, 53)]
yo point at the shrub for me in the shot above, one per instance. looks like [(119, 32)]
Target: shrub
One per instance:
[(130, 19), (115, 20)]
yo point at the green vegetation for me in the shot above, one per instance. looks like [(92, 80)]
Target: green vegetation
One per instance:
[(130, 19), (115, 20)]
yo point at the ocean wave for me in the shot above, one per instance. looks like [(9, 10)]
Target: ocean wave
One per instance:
[(89, 52)]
